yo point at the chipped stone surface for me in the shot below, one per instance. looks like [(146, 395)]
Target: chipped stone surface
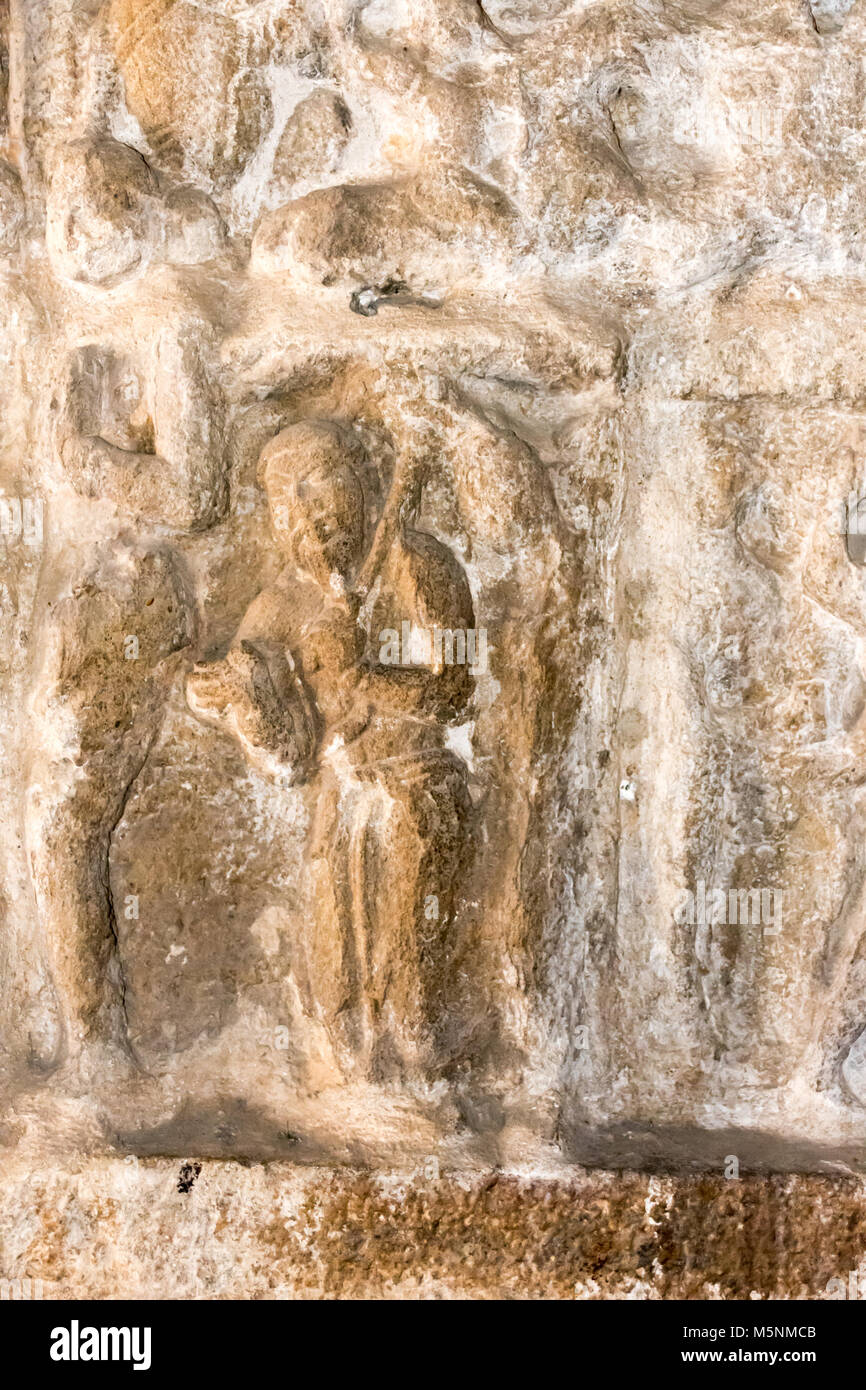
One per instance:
[(432, 677)]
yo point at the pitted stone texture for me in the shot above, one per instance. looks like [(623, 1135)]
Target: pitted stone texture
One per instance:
[(157, 1230)]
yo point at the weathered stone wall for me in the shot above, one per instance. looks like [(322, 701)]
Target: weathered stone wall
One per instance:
[(432, 677)]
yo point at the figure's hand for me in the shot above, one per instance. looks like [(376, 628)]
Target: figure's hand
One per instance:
[(280, 719), (255, 694), (213, 689)]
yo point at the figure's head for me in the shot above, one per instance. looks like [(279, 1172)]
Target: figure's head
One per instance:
[(102, 211), (192, 82), (316, 498)]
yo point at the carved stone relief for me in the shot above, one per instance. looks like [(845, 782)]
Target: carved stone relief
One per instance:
[(432, 658)]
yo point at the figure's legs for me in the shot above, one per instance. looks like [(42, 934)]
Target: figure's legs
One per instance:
[(386, 872), (765, 989), (98, 709), (69, 848), (414, 875), (332, 968)]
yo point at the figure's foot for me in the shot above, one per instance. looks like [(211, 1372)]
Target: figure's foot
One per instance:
[(210, 689), (106, 1062), (45, 1036), (35, 1035)]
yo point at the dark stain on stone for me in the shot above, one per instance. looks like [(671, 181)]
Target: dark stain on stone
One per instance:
[(188, 1174)]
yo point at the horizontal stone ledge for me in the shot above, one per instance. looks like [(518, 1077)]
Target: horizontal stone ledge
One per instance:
[(220, 1230)]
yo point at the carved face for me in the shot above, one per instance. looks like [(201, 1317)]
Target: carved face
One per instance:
[(320, 520)]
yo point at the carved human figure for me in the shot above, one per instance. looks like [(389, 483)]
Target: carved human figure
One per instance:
[(783, 697), (137, 422), (303, 690), (140, 430), (105, 666)]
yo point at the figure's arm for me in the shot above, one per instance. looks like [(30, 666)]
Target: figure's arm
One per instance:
[(133, 480), (404, 485), (188, 432), (95, 465), (180, 480), (418, 690)]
